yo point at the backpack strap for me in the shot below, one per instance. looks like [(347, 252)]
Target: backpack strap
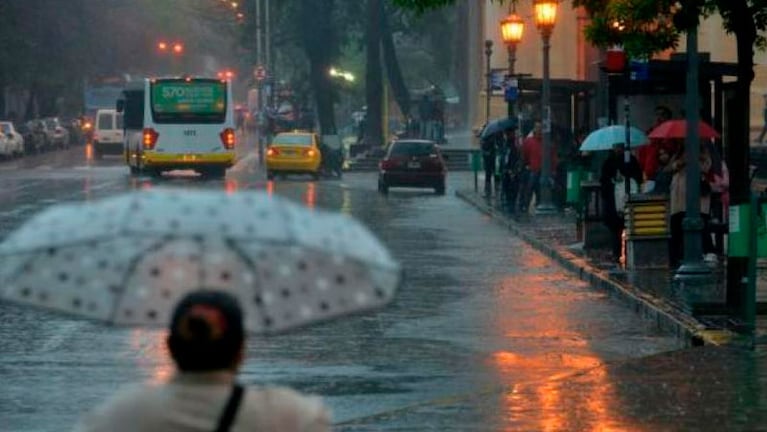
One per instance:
[(231, 408)]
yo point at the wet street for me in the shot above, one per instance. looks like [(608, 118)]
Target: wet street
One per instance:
[(485, 334)]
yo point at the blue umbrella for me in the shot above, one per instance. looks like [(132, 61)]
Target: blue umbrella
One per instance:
[(607, 137), (499, 125)]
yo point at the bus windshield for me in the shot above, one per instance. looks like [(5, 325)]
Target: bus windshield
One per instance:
[(193, 101)]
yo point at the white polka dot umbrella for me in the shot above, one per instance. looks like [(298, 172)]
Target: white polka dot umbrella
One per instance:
[(127, 260)]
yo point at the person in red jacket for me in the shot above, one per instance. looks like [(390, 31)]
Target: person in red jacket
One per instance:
[(532, 155), (648, 154)]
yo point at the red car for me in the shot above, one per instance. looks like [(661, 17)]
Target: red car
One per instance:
[(412, 163)]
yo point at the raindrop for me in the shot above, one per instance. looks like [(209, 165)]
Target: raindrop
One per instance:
[(258, 300), (115, 289), (25, 292), (225, 276), (77, 303), (103, 264), (380, 293), (128, 313), (340, 279), (43, 296), (302, 265), (151, 314), (28, 267), (154, 272), (52, 251), (268, 322), (324, 306), (63, 277), (198, 238), (166, 293), (285, 293)]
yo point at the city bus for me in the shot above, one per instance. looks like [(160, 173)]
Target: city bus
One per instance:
[(178, 123)]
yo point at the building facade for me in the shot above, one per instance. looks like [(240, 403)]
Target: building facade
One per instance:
[(572, 56)]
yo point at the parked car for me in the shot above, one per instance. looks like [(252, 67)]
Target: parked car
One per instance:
[(108, 133), (15, 142), (35, 137), (412, 163), (58, 135), (5, 150)]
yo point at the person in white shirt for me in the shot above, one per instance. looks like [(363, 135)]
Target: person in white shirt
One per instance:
[(207, 342)]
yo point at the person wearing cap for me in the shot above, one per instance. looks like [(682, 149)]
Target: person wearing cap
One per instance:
[(207, 344)]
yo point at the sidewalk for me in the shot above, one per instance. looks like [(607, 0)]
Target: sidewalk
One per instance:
[(648, 293)]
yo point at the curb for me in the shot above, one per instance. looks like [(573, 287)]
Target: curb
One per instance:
[(665, 316)]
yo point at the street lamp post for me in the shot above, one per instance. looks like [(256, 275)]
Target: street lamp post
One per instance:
[(693, 275), (545, 18), (512, 28), (488, 54)]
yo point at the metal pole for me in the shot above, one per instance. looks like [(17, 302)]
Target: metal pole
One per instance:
[(545, 206), (512, 59), (260, 102), (488, 91), (627, 149), (692, 271)]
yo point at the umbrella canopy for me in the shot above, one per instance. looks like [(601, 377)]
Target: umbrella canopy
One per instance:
[(678, 129), (128, 260), (607, 137), (498, 125)]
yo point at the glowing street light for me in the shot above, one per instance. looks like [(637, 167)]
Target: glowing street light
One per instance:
[(178, 48), (545, 18), (346, 76)]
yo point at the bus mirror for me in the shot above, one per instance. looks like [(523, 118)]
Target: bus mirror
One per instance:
[(120, 105)]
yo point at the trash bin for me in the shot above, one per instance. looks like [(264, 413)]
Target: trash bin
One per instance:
[(574, 178), (740, 230)]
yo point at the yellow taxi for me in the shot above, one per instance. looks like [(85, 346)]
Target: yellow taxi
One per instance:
[(294, 153)]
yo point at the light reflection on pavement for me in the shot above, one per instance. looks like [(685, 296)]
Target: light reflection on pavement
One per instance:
[(484, 335)]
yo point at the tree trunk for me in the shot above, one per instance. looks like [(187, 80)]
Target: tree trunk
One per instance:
[(393, 70), (316, 18), (323, 97), (373, 76), (738, 157)]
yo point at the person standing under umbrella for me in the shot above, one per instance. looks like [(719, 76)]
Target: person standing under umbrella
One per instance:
[(614, 168), (207, 343)]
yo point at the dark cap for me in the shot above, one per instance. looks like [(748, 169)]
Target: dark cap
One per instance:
[(206, 331)]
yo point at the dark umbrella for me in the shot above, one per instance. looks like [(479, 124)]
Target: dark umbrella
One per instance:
[(499, 125)]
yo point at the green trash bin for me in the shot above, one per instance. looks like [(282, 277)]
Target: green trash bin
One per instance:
[(740, 230), (574, 178)]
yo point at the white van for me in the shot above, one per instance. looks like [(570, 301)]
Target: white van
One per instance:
[(108, 133)]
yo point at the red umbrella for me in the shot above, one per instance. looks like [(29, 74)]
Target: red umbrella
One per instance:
[(678, 129)]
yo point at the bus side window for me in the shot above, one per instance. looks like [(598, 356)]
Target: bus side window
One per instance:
[(134, 110)]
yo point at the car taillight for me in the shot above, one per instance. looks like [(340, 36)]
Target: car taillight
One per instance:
[(228, 138), (387, 164), (149, 138), (272, 151), (310, 152)]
